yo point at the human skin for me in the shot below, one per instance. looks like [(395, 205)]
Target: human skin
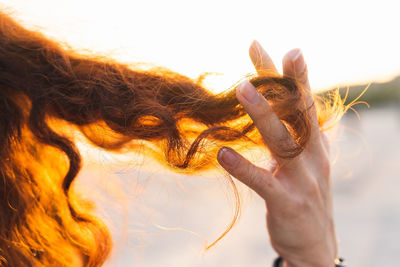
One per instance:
[(297, 192)]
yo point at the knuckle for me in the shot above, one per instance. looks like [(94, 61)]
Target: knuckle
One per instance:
[(253, 177), (313, 189), (325, 168), (262, 111), (308, 199), (260, 182), (325, 142), (322, 164)]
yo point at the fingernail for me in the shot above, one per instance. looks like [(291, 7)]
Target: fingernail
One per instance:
[(255, 48), (255, 44), (228, 157), (249, 92), (298, 61)]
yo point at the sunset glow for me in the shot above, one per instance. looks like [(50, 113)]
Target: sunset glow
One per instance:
[(344, 42)]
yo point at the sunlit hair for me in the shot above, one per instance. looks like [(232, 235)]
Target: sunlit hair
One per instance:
[(119, 108)]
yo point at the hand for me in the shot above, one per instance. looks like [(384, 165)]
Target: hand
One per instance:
[(298, 193)]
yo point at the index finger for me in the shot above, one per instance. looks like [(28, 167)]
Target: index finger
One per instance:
[(274, 133)]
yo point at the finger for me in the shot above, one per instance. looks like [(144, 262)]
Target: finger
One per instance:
[(258, 179), (325, 142), (274, 133), (261, 60), (295, 66)]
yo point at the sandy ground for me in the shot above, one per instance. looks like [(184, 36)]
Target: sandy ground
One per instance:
[(162, 219), (368, 201)]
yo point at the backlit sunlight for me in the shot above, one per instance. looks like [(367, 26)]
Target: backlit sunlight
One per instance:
[(344, 42)]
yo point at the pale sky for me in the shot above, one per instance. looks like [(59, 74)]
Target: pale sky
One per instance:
[(344, 41)]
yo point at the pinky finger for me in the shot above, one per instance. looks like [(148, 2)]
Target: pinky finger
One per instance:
[(258, 179)]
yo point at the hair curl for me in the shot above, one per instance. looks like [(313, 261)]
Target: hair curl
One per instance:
[(114, 105)]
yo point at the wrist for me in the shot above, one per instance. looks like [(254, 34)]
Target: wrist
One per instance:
[(279, 262), (307, 264), (322, 255), (314, 258), (320, 260)]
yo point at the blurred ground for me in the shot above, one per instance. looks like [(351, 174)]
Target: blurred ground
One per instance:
[(166, 219), (368, 202)]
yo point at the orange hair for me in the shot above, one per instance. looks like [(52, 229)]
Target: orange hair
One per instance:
[(42, 221)]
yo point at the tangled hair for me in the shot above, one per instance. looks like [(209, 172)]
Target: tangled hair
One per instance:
[(118, 108)]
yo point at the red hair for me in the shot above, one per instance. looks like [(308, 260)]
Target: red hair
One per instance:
[(42, 85)]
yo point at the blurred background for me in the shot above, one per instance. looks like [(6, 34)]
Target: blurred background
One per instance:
[(159, 218)]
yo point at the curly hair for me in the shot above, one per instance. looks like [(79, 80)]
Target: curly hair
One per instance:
[(180, 123)]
